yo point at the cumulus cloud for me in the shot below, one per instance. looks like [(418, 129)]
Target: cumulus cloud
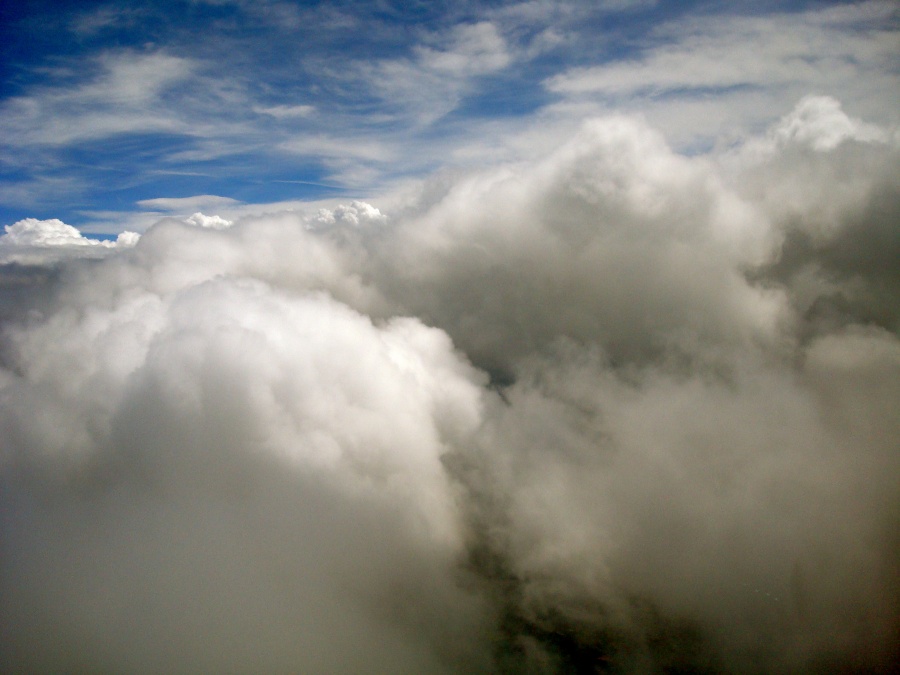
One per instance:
[(41, 241), (611, 238), (819, 122), (615, 409), (355, 213), (34, 232), (214, 222)]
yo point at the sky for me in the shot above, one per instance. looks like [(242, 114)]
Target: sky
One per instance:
[(536, 337), (105, 107)]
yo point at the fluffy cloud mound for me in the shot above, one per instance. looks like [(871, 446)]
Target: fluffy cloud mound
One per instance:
[(33, 232), (269, 463), (355, 213), (33, 241), (214, 222), (612, 239), (819, 121), (613, 410)]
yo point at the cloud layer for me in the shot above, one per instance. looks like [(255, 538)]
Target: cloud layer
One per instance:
[(615, 409)]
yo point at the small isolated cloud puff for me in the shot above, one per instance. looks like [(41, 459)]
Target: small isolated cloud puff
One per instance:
[(356, 213), (211, 222)]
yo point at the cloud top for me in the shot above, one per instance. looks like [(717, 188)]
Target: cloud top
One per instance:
[(36, 241)]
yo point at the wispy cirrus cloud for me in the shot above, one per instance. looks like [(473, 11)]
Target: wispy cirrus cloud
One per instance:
[(426, 85), (125, 95), (285, 111), (719, 53), (195, 203), (741, 67)]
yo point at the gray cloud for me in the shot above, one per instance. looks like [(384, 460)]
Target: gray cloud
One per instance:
[(612, 410), (612, 239)]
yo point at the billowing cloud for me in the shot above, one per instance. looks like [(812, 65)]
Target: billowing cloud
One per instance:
[(356, 213), (611, 238), (202, 220), (819, 121), (615, 409), (36, 241)]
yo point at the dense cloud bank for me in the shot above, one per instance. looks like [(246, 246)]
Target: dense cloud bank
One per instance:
[(612, 410)]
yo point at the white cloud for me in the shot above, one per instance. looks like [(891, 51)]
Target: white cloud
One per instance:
[(741, 51), (135, 79), (355, 213), (333, 148), (93, 22), (472, 49), (35, 242), (819, 122), (213, 222), (429, 85), (608, 403), (125, 96), (285, 111), (335, 431), (725, 75), (33, 232), (181, 204)]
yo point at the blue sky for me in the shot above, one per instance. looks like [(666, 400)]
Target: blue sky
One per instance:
[(113, 112)]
